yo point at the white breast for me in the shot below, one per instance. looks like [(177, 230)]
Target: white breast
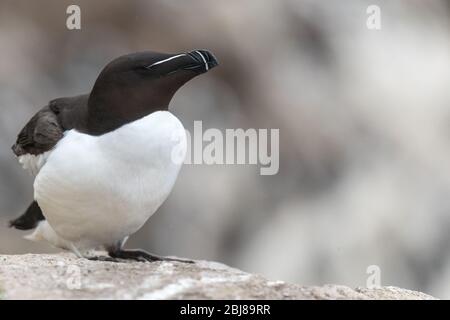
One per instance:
[(98, 190), (33, 163)]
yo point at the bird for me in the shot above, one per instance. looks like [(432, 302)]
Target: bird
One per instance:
[(105, 161)]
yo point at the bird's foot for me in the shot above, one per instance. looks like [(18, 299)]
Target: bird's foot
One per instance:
[(141, 255), (103, 259)]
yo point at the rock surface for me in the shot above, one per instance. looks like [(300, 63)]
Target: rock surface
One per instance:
[(63, 276)]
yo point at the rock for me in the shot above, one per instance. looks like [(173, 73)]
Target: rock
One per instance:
[(63, 276)]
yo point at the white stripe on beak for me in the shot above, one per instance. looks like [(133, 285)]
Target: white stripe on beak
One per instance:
[(204, 60), (168, 59)]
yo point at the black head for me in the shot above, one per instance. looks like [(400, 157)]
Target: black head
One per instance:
[(135, 85)]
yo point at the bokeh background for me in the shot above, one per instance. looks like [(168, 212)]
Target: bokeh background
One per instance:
[(364, 119)]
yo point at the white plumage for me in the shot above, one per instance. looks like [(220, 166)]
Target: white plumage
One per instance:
[(97, 190), (32, 163)]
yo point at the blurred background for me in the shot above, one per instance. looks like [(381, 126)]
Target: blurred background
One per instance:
[(364, 119)]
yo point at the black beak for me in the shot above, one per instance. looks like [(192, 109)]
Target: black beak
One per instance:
[(198, 61), (203, 60)]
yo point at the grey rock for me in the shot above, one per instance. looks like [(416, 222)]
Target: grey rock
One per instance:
[(63, 276)]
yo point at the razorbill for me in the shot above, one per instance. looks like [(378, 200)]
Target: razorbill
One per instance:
[(104, 162)]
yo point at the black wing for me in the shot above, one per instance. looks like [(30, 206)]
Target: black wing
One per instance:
[(30, 219), (40, 135)]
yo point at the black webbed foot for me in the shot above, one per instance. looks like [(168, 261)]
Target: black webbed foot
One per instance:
[(103, 259), (142, 256)]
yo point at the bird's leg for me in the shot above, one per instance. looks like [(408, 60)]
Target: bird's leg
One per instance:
[(75, 250), (118, 252)]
